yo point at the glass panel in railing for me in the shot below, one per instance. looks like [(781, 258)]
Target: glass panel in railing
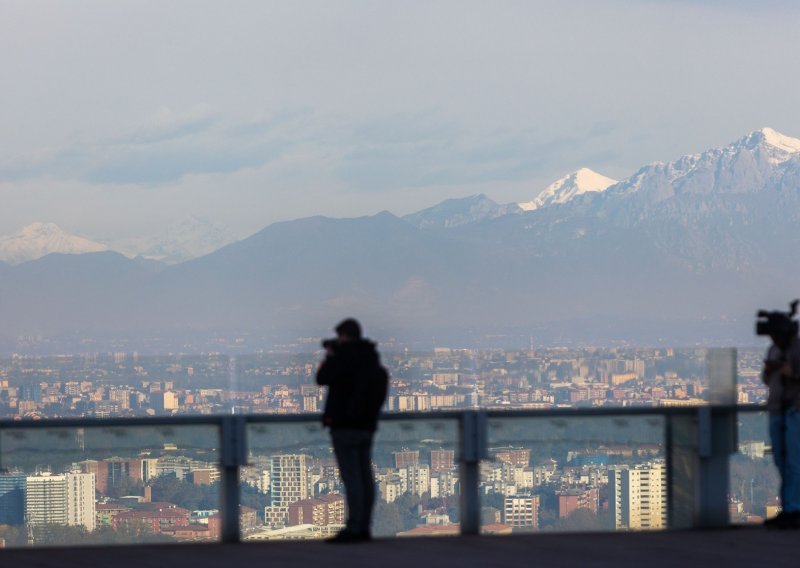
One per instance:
[(543, 378), (290, 488), (275, 383), (129, 384), (754, 480), (114, 385), (751, 389), (721, 374), (574, 474), (418, 478), (294, 488), (109, 485)]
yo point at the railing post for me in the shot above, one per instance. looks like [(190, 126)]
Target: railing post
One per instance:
[(682, 471), (473, 447), (699, 448), (234, 455), (716, 441), (717, 438)]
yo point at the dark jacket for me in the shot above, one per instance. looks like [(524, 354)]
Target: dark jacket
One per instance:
[(784, 392), (357, 385)]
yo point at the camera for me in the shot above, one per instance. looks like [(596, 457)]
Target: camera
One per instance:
[(777, 323), (331, 344)]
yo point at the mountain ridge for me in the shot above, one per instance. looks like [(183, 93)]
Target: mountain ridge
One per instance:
[(707, 236), (460, 211)]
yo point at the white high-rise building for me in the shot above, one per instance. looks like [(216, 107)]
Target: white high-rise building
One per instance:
[(391, 487), (416, 479), (521, 511), (443, 484), (81, 500), (46, 499), (64, 499), (639, 496)]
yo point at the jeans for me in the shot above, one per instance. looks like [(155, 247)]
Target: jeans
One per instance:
[(353, 450), (784, 431)]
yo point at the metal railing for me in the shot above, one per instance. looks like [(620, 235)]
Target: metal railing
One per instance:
[(697, 443)]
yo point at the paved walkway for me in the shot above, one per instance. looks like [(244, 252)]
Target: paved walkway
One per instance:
[(710, 549)]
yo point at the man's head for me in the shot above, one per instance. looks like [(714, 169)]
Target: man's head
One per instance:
[(348, 330)]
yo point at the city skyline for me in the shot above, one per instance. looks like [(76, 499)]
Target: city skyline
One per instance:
[(540, 472)]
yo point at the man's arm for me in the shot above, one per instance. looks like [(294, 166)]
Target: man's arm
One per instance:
[(328, 370), (791, 370), (771, 368), (772, 365)]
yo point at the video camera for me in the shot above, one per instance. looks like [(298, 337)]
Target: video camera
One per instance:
[(777, 323), (331, 344)]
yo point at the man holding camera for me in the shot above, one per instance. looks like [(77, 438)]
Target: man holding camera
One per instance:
[(782, 375), (357, 386)]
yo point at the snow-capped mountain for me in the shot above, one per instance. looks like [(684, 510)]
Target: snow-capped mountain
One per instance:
[(734, 208), (709, 237), (759, 160), (782, 147), (39, 239), (567, 188), (461, 211), (184, 240)]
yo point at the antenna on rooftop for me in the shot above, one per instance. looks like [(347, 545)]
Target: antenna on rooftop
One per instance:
[(233, 381)]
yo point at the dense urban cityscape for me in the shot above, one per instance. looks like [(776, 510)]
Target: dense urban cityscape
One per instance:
[(162, 484)]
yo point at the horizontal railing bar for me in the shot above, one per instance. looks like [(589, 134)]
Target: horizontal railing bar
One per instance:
[(619, 411), (132, 421), (590, 412), (749, 408), (218, 419), (385, 416)]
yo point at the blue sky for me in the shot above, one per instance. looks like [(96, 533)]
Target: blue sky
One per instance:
[(120, 117)]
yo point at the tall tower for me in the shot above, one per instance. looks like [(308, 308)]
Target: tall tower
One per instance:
[(80, 500), (288, 484), (288, 479)]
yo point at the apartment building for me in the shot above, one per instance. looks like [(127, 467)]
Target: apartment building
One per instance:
[(638, 496)]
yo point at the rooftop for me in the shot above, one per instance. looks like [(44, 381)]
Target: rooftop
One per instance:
[(728, 547)]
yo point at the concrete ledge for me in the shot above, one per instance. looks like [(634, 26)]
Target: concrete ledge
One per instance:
[(722, 548)]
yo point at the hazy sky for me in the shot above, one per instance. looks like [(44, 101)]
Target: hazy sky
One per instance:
[(119, 117)]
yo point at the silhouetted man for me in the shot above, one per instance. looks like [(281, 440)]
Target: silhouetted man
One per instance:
[(782, 375), (357, 385)]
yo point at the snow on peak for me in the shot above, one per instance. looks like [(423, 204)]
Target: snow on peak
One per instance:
[(39, 228), (39, 239), (780, 141), (567, 188), (778, 147)]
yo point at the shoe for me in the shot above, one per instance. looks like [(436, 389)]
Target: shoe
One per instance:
[(791, 521), (784, 521), (776, 521), (345, 537)]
